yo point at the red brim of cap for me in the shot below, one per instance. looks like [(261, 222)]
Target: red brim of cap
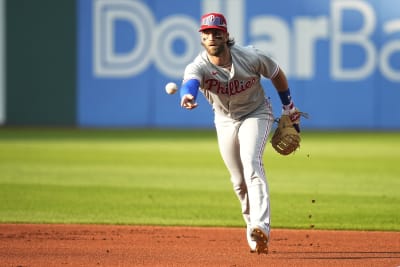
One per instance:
[(206, 27)]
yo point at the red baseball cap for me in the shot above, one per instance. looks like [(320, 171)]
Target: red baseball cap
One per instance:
[(213, 21)]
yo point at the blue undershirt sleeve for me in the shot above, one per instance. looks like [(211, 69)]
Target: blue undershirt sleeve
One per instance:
[(190, 87)]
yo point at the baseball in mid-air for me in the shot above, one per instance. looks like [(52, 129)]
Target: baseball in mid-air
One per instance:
[(171, 88)]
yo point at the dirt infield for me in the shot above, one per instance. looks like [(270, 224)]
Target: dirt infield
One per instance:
[(98, 245)]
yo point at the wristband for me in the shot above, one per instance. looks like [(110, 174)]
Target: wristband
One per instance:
[(285, 97)]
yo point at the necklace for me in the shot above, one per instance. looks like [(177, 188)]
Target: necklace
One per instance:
[(226, 65)]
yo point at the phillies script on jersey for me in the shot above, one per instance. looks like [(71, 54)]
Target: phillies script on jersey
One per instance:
[(233, 87)]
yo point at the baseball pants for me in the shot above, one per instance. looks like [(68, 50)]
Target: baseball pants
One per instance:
[(241, 144)]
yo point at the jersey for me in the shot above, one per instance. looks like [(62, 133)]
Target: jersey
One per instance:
[(237, 92)]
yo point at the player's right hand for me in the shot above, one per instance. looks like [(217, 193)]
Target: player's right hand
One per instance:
[(188, 102)]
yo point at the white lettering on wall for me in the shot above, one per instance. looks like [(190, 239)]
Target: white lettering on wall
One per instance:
[(359, 38), (293, 43), (388, 50), (273, 39), (308, 31), (151, 45)]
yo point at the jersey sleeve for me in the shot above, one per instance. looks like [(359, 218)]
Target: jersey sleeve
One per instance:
[(267, 66), (192, 72), (191, 80)]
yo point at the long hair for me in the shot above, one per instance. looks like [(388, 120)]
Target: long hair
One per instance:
[(230, 42)]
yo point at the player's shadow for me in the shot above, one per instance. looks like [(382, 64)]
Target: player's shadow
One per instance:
[(348, 255)]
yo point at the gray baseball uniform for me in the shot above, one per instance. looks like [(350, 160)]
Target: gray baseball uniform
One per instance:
[(243, 120)]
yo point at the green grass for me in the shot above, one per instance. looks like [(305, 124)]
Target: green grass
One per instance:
[(174, 177)]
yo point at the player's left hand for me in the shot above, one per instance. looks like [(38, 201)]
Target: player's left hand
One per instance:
[(291, 111), (294, 114), (286, 138)]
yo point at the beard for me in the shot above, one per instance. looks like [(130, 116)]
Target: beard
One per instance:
[(216, 50)]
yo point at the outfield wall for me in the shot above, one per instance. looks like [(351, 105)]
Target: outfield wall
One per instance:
[(41, 62), (2, 64), (342, 58), (114, 57)]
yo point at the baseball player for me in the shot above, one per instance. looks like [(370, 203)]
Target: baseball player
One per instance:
[(229, 77)]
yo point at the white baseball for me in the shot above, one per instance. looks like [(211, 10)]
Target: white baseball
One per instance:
[(171, 88)]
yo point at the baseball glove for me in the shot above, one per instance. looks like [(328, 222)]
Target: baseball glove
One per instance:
[(286, 138)]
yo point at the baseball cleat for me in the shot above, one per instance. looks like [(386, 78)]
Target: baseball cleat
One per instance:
[(252, 244), (261, 238)]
